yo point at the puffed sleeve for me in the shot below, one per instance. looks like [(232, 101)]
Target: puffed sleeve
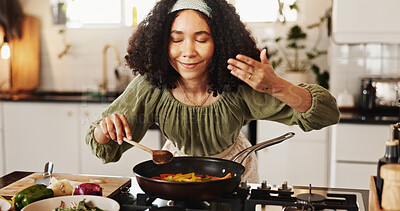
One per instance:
[(322, 113), (137, 103)]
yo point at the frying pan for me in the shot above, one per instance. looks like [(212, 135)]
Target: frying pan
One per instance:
[(193, 191)]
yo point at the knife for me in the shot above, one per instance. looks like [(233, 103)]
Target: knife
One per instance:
[(47, 173)]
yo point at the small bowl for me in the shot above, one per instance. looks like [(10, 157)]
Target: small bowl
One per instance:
[(101, 202)]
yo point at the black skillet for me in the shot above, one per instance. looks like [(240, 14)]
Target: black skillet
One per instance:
[(192, 191)]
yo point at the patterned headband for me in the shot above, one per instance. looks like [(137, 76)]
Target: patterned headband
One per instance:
[(198, 5)]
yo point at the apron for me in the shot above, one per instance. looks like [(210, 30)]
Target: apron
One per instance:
[(250, 164)]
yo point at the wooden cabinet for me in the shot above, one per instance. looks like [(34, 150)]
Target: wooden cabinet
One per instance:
[(301, 160), (355, 151), (35, 133), (93, 165)]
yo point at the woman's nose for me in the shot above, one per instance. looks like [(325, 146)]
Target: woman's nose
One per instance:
[(189, 49)]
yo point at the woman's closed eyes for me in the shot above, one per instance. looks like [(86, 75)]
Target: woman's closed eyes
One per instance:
[(200, 37)]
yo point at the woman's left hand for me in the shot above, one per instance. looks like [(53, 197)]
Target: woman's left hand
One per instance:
[(259, 75)]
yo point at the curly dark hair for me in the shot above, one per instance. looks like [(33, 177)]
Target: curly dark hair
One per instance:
[(148, 47)]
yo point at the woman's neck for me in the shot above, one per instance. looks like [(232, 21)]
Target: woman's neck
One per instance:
[(194, 87), (193, 92)]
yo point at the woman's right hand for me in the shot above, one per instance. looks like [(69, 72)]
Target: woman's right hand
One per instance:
[(114, 127)]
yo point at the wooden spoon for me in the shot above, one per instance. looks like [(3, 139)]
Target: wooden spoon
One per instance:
[(159, 156)]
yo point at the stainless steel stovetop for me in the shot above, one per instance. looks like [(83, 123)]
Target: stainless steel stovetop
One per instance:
[(262, 197)]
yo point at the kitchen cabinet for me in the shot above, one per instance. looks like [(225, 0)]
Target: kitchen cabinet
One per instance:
[(301, 160), (93, 165), (35, 133), (355, 151), (377, 23)]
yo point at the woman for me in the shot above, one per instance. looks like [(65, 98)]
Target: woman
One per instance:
[(200, 80)]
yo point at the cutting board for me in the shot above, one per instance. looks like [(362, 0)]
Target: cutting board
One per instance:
[(110, 185), (25, 60)]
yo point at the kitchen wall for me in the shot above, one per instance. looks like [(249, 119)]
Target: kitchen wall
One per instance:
[(80, 69), (349, 63)]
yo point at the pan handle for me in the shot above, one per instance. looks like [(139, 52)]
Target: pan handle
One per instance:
[(262, 145)]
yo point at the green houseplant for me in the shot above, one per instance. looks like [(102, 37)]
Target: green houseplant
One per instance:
[(292, 55)]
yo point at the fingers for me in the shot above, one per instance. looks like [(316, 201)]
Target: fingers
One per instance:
[(263, 56), (242, 75), (237, 64), (248, 61), (103, 125), (116, 127), (240, 69), (110, 128), (243, 67), (125, 124)]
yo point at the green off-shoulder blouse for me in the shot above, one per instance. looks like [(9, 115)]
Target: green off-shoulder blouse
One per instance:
[(211, 129)]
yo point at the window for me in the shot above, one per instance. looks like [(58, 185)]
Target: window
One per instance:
[(142, 8), (93, 12), (103, 13)]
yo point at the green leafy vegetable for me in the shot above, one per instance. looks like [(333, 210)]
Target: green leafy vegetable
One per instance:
[(81, 206)]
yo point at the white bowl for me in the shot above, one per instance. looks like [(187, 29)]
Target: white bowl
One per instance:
[(4, 205), (49, 204)]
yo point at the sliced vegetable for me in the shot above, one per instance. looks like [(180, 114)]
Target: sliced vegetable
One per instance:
[(190, 177), (62, 188), (31, 194), (88, 189)]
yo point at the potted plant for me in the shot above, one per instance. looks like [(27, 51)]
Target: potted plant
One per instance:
[(295, 59)]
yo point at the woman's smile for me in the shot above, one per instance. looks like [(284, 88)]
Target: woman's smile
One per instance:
[(189, 65)]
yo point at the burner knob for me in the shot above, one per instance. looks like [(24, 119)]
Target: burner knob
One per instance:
[(285, 187), (264, 186)]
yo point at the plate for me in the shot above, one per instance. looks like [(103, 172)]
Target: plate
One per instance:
[(4, 204), (101, 202)]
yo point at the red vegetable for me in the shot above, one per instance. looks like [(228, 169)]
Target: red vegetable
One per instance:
[(88, 189)]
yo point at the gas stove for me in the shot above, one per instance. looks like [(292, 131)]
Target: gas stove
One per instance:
[(250, 197)]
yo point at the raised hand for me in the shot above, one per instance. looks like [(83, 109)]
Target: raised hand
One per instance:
[(259, 75)]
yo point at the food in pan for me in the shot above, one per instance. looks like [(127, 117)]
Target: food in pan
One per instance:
[(190, 177)]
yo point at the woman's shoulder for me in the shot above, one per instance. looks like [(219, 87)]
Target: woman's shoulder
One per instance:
[(139, 80), (140, 88), (140, 84)]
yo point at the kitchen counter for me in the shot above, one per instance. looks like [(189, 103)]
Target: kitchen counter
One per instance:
[(127, 198), (122, 197), (71, 97), (383, 116), (379, 116)]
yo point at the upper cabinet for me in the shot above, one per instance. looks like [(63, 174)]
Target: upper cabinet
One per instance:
[(365, 21)]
